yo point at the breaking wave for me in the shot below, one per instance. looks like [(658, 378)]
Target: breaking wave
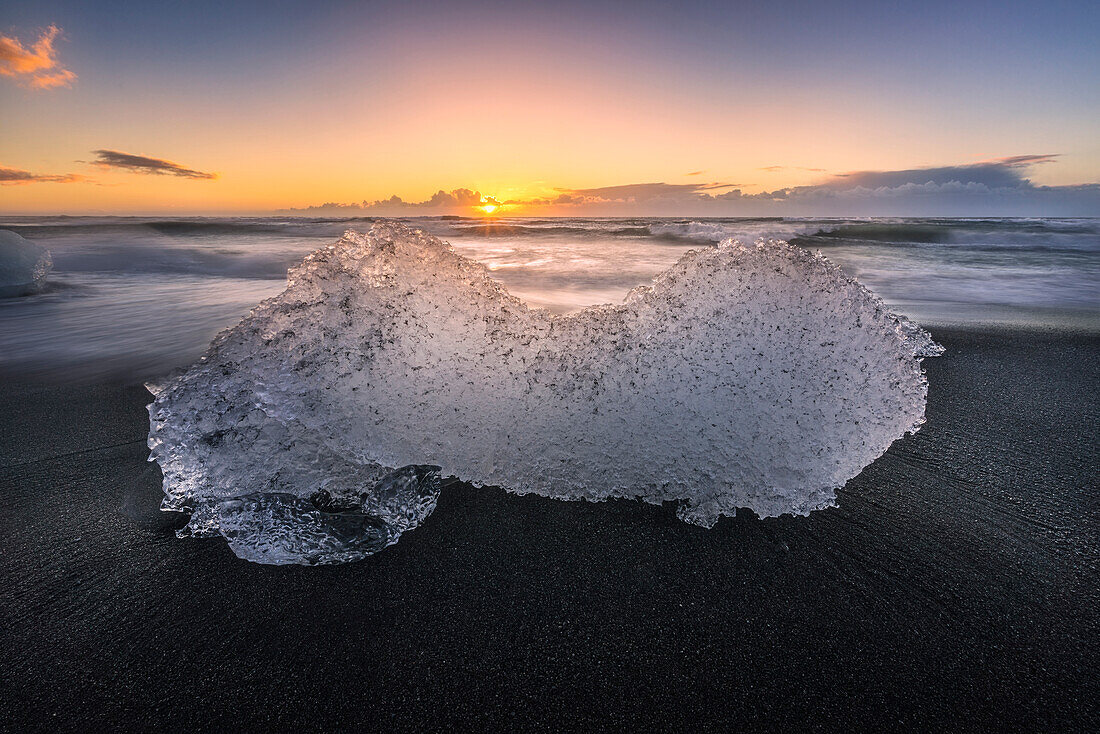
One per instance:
[(315, 431), (200, 260), (1048, 234)]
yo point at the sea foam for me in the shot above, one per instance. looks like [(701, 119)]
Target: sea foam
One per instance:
[(315, 431)]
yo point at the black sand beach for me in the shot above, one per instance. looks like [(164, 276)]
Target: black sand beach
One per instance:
[(955, 588)]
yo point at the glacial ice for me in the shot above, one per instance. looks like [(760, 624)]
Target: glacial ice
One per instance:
[(757, 376), (23, 265), (284, 528)]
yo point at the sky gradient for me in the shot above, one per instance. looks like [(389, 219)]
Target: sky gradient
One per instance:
[(784, 108)]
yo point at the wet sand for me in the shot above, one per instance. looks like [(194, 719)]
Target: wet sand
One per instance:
[(955, 587)]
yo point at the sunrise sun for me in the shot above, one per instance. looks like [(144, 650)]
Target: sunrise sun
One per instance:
[(488, 205)]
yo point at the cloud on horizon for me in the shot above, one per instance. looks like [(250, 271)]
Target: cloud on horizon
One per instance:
[(999, 173), (462, 200), (18, 177), (456, 199), (996, 187), (623, 194), (145, 164), (35, 67)]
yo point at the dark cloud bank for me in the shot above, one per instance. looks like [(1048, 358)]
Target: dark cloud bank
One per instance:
[(18, 177), (105, 159), (145, 164), (990, 188)]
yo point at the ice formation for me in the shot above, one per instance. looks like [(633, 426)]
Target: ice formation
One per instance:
[(23, 265), (755, 376)]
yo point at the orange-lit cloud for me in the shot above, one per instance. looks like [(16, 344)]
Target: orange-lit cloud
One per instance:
[(17, 177), (145, 164), (463, 201), (638, 193), (36, 67), (441, 201)]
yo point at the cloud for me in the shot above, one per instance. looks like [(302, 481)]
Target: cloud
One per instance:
[(996, 187), (144, 164), (457, 197), (774, 169), (1022, 161), (695, 173), (17, 177), (457, 201), (625, 194), (35, 67), (1001, 173)]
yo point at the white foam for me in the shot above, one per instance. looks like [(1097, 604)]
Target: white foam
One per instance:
[(744, 229), (745, 376)]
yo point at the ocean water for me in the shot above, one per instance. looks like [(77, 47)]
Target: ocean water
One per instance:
[(136, 297)]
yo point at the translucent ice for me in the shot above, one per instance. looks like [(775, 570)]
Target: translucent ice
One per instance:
[(23, 265), (745, 376), (282, 528)]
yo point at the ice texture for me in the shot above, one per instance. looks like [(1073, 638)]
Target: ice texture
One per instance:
[(283, 528), (756, 376), (23, 265)]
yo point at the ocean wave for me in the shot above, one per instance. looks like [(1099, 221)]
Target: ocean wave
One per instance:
[(744, 376), (41, 227), (712, 232), (699, 231), (154, 259), (1048, 234), (543, 229)]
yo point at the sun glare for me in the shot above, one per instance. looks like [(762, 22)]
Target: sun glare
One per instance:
[(489, 208)]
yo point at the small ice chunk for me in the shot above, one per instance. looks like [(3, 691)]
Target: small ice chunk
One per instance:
[(282, 528), (23, 265)]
